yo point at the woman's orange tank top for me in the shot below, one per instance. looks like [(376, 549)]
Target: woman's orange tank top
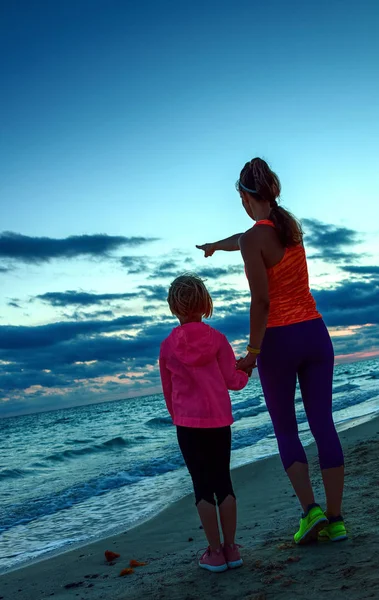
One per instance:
[(291, 300)]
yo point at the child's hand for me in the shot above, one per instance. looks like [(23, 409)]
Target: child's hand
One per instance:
[(247, 364)]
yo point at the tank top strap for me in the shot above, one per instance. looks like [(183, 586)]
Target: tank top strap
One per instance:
[(265, 222)]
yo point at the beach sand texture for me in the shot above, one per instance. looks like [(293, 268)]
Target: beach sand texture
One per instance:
[(274, 568)]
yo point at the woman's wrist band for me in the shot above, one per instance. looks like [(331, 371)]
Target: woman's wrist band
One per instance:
[(252, 350)]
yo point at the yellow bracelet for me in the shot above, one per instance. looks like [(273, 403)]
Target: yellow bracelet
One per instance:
[(253, 350)]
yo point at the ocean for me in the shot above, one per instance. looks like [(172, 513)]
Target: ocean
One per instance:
[(70, 476)]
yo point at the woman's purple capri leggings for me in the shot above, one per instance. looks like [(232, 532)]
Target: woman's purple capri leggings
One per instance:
[(303, 350)]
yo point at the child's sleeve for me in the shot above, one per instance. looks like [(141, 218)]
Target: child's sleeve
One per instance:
[(166, 383), (234, 379)]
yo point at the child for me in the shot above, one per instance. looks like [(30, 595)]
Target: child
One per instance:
[(198, 366)]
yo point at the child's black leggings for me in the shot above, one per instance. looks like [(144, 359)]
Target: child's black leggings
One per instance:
[(207, 455)]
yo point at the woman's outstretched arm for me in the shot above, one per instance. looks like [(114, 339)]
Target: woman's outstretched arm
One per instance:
[(229, 244)]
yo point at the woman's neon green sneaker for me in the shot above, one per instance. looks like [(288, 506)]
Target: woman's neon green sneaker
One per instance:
[(311, 523), (335, 531)]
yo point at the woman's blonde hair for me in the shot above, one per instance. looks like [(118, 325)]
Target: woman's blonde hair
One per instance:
[(188, 296)]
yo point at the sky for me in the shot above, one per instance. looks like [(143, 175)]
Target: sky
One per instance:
[(124, 128)]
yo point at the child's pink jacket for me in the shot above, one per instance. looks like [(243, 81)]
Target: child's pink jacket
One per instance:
[(197, 366)]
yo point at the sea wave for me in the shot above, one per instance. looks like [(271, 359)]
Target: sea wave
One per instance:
[(346, 387), (71, 453), (12, 474), (26, 512), (159, 422), (248, 412), (248, 403), (61, 421)]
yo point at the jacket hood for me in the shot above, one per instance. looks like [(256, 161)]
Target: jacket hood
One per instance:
[(194, 344)]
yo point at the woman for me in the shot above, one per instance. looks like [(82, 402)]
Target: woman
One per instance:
[(289, 341)]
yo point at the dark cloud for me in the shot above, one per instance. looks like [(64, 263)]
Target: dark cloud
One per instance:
[(27, 364), (167, 269), (334, 256), (330, 241), (4, 270), (20, 337), (135, 265), (324, 235), (152, 307), (80, 315), (148, 266), (218, 272), (363, 339), (68, 354), (37, 250), (82, 353), (371, 271), (79, 298), (154, 292), (349, 303), (225, 295), (170, 269), (99, 313), (72, 297), (25, 379), (14, 304), (234, 325)]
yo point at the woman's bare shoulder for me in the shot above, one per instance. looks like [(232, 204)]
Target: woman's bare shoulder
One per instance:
[(255, 236)]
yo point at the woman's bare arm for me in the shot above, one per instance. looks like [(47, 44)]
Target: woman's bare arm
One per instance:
[(251, 244), (229, 244)]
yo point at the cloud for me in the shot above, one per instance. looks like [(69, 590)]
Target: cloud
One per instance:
[(169, 269), (231, 295), (27, 362), (79, 358), (18, 337), (38, 250), (79, 315), (172, 269), (154, 292), (349, 303), (357, 340), (330, 241), (13, 304), (135, 265), (371, 271), (83, 357), (4, 270), (218, 272), (77, 298), (144, 265)]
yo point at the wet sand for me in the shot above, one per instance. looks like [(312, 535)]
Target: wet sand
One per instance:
[(274, 568)]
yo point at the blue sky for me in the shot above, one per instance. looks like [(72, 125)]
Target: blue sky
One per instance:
[(124, 130)]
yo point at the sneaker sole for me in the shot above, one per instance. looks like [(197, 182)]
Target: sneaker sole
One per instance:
[(340, 538), (235, 564), (312, 533), (213, 569)]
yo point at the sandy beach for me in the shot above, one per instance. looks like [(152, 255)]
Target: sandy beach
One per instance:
[(274, 568)]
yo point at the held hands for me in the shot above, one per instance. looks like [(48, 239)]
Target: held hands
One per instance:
[(247, 364), (208, 249)]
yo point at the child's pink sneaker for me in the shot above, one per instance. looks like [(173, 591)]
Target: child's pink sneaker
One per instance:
[(213, 560), (232, 556)]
